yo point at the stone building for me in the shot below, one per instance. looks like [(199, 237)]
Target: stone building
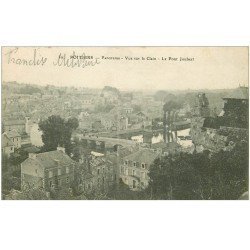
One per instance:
[(49, 171), (221, 132), (103, 172), (135, 167), (95, 174)]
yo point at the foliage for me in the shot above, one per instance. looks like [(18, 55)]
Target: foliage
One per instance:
[(62, 194), (29, 90), (164, 96), (222, 175), (34, 194), (121, 191), (103, 108), (111, 89), (57, 132)]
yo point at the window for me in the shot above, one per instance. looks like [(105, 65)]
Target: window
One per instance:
[(67, 179), (143, 165), (67, 170), (11, 148), (36, 171), (126, 162), (13, 139), (133, 172), (103, 170), (59, 171), (98, 171), (134, 184), (143, 175), (50, 184), (134, 164), (50, 174), (126, 171)]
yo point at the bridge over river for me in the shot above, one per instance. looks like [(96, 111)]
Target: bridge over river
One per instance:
[(106, 141)]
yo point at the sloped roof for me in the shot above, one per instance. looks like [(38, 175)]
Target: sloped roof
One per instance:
[(143, 155), (49, 160), (239, 93), (12, 134), (6, 142), (86, 174), (14, 122), (31, 149), (125, 151), (179, 123)]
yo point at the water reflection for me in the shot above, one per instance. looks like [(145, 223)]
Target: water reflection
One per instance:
[(183, 138)]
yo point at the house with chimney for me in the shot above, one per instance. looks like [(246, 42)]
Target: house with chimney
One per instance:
[(48, 171)]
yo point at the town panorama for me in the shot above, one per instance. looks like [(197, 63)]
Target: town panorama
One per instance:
[(111, 143)]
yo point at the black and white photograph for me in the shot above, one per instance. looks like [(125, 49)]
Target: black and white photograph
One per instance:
[(125, 123)]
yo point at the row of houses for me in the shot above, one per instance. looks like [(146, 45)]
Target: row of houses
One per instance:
[(53, 170), (11, 140)]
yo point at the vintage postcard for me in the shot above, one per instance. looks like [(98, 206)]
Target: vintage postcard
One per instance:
[(125, 123)]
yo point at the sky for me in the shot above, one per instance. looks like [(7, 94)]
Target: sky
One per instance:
[(207, 67)]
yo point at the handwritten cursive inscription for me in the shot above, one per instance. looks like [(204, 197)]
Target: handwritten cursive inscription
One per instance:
[(36, 60), (73, 61)]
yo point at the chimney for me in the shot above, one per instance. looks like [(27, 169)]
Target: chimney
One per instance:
[(32, 156), (62, 149)]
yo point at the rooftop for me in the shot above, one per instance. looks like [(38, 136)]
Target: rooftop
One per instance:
[(49, 160), (12, 134), (143, 155), (14, 122)]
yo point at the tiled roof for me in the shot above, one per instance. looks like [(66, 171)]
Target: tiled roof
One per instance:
[(49, 159), (143, 155)]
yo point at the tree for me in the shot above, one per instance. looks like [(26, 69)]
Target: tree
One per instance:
[(72, 123), (173, 177), (206, 175), (57, 132)]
